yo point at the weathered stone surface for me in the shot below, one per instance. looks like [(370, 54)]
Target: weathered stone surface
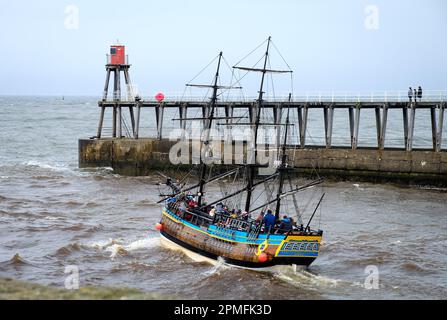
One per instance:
[(143, 156)]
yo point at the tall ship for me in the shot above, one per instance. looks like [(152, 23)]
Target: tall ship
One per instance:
[(259, 236)]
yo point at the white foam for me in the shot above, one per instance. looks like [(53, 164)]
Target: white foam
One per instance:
[(302, 277), (143, 244), (117, 247), (217, 267), (102, 244), (52, 218), (53, 167)]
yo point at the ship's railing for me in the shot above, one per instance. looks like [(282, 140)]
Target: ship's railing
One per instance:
[(190, 216), (233, 223), (250, 226)]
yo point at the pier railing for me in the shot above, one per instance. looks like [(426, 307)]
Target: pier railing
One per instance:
[(378, 96), (380, 102)]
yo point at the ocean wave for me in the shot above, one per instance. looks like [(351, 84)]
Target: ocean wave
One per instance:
[(43, 165), (68, 249), (219, 266), (49, 170), (300, 277), (116, 247), (416, 268), (16, 261), (146, 203)]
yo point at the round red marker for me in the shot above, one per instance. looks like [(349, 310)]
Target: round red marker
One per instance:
[(159, 97)]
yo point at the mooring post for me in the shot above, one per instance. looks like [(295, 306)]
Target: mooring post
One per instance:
[(378, 124), (440, 125), (302, 122), (405, 119), (411, 126), (383, 126), (328, 111)]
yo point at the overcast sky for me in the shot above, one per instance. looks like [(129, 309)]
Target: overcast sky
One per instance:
[(58, 47)]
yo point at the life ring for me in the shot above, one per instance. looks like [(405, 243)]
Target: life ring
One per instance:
[(262, 247)]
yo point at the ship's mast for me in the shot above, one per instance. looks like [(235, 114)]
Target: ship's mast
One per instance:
[(251, 166), (282, 166), (208, 124)]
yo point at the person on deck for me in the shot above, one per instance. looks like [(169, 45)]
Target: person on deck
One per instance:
[(269, 221), (410, 94), (245, 215), (260, 218), (420, 93), (219, 208), (192, 203), (286, 225)]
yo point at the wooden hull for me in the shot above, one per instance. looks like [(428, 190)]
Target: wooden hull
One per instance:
[(236, 247)]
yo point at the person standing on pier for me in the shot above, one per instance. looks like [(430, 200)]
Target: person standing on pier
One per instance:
[(415, 95), (410, 94), (420, 93)]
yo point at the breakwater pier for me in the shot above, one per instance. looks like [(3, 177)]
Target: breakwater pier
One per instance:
[(123, 147), (129, 153)]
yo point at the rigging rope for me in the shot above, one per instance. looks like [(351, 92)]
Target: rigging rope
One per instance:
[(251, 52)]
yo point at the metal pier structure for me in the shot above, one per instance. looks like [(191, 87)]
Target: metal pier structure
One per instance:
[(351, 105)]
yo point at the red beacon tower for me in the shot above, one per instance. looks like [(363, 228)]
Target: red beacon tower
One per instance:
[(117, 55), (117, 62)]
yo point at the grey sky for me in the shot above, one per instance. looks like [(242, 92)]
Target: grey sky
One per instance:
[(327, 43)]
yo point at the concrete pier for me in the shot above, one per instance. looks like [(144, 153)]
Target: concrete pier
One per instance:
[(145, 155)]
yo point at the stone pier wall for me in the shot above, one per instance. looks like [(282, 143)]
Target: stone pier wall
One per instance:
[(143, 156)]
